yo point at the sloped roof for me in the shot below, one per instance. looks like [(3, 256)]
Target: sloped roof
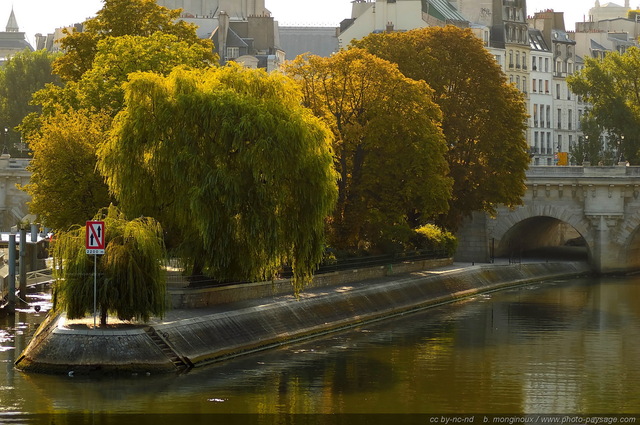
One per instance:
[(442, 9), (597, 46), (14, 41), (561, 36), (12, 24), (536, 41), (233, 39)]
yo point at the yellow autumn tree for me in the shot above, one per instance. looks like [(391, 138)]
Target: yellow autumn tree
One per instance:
[(65, 187), (483, 116), (389, 148)]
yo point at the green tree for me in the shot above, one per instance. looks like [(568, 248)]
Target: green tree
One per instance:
[(100, 88), (65, 187), (388, 145), (22, 76), (590, 147), (230, 160), (484, 117), (119, 18), (130, 280), (611, 86)]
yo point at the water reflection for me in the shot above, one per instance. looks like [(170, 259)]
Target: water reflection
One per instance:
[(552, 348)]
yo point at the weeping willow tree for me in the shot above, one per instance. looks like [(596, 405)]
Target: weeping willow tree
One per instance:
[(229, 161), (130, 276)]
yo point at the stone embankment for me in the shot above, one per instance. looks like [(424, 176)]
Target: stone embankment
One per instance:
[(199, 336)]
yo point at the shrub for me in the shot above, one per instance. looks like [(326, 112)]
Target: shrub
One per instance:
[(433, 238)]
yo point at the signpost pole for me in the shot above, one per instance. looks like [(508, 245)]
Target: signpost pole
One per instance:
[(95, 288)]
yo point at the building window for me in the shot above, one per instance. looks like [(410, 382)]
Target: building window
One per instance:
[(534, 86), (233, 52), (549, 118), (559, 118), (570, 119), (579, 125), (518, 60), (541, 115), (510, 58), (546, 86), (546, 64), (533, 63), (524, 61), (535, 117), (557, 91)]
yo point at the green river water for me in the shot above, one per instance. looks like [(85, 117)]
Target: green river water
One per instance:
[(562, 347)]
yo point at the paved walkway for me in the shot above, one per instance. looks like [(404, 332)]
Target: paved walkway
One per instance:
[(174, 315)]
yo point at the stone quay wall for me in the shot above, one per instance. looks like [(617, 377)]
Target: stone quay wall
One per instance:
[(206, 297), (227, 333)]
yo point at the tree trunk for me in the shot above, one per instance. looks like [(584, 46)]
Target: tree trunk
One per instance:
[(103, 317)]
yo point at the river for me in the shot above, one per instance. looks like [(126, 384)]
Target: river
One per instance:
[(551, 348)]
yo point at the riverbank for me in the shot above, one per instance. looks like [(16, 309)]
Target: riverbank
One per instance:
[(195, 337)]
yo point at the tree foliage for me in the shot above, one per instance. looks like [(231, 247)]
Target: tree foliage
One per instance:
[(612, 87), (20, 77), (433, 238), (100, 88), (484, 117), (228, 159), (589, 147), (65, 187), (130, 276), (388, 145), (120, 18)]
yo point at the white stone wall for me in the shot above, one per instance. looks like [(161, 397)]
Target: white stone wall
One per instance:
[(13, 201)]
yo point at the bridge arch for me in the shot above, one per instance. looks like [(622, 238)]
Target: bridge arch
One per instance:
[(628, 237), (532, 227)]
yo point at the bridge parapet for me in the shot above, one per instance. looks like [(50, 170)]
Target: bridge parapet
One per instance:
[(600, 204)]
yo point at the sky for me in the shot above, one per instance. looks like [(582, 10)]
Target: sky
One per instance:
[(43, 16)]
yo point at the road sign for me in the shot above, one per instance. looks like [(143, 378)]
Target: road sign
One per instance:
[(94, 241)]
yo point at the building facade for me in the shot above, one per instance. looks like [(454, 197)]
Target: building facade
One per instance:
[(540, 100), (609, 10), (241, 31), (372, 16)]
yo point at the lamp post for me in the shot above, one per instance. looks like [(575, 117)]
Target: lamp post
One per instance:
[(5, 135), (585, 149)]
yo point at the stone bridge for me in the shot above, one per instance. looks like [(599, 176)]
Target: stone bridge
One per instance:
[(597, 208)]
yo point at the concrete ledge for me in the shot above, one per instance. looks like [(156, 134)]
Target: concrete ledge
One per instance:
[(206, 297), (228, 333)]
